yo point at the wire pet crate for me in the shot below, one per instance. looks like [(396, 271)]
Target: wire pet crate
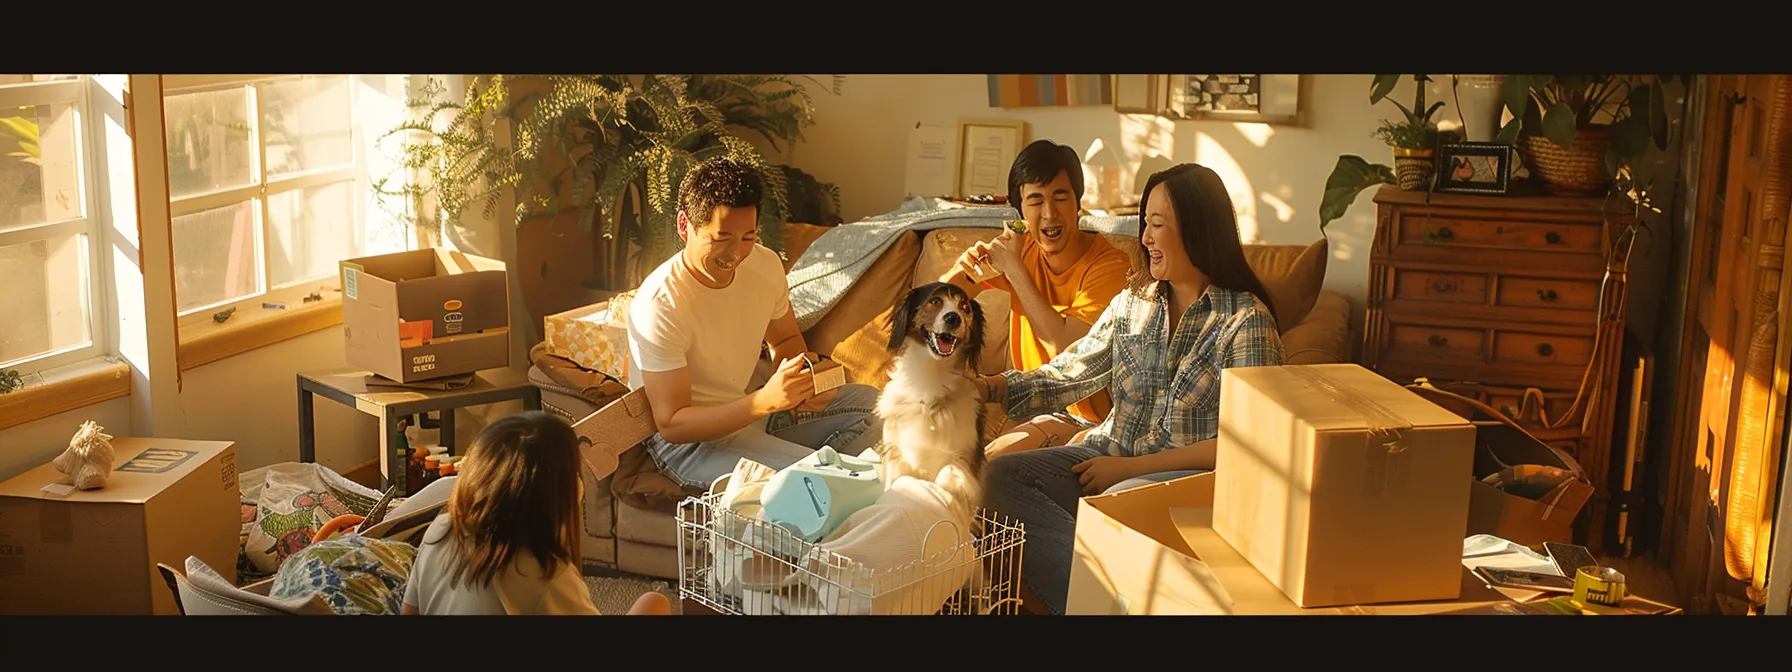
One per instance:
[(745, 565)]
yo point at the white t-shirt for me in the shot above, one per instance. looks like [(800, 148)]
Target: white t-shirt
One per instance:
[(519, 590), (676, 322)]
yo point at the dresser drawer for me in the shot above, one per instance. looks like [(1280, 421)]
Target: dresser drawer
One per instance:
[(1440, 286), (1418, 231), (1553, 293), (1423, 341), (1519, 347)]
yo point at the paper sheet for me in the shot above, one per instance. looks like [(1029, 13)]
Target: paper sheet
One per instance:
[(1485, 550), (929, 171)]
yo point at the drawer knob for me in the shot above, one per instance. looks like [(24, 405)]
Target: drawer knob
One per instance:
[(1445, 232), (1546, 295), (1436, 341), (1552, 237), (1443, 286), (1545, 350)]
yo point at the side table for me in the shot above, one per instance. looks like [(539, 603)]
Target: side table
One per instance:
[(390, 404)]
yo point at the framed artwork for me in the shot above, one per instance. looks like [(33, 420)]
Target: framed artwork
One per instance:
[(1008, 91), (1475, 168), (1268, 99), (986, 149), (1137, 94)]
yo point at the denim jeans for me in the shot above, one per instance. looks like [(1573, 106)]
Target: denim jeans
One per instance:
[(849, 424), (1038, 489)]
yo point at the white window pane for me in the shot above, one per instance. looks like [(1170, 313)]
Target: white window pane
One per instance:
[(380, 107), (307, 124), (45, 309), (211, 145), (27, 79), (311, 229), (216, 258), (40, 165)]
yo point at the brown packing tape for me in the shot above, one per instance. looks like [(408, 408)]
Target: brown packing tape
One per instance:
[(1385, 471)]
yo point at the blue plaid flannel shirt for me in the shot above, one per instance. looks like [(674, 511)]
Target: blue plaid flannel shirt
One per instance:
[(1166, 394)]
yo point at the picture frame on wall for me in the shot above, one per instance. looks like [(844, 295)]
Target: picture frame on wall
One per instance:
[(1475, 168), (1137, 94), (1248, 98), (986, 149)]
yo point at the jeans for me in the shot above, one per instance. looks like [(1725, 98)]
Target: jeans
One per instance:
[(1038, 489), (849, 424)]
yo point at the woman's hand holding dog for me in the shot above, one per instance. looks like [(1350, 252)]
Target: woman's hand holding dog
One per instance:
[(789, 386), (1101, 473)]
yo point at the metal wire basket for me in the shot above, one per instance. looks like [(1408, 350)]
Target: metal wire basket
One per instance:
[(744, 565)]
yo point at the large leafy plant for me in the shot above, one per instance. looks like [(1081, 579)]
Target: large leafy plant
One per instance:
[(1353, 174), (1558, 107), (23, 133), (583, 141)]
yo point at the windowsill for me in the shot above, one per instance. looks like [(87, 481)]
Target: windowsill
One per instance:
[(66, 388), (204, 340)]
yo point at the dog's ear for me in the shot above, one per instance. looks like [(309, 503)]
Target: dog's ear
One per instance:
[(973, 350), (900, 316)]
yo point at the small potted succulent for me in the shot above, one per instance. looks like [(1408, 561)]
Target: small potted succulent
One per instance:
[(1414, 139)]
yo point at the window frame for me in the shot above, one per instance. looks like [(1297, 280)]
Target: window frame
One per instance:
[(264, 186), (77, 93)]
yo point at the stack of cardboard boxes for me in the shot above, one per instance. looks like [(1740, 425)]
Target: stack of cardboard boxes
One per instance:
[(1335, 490)]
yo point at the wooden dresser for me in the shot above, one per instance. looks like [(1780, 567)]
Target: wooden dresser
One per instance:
[(1499, 298)]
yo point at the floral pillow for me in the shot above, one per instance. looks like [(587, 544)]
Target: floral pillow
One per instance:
[(285, 504), (355, 575)]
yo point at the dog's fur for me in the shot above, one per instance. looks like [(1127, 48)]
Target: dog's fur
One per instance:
[(932, 420)]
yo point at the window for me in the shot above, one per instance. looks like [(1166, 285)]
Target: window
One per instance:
[(269, 183), (52, 312)]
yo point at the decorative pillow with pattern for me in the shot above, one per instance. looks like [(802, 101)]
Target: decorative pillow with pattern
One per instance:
[(290, 502), (355, 575)]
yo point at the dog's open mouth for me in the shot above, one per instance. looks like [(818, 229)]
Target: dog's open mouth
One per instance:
[(942, 344)]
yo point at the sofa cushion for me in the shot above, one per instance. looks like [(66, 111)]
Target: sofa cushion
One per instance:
[(853, 332), (1293, 275)]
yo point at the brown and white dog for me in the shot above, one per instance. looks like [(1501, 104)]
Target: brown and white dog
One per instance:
[(932, 420)]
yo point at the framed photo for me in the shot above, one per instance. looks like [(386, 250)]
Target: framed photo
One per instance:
[(1138, 94), (986, 149), (1251, 98), (1475, 168)]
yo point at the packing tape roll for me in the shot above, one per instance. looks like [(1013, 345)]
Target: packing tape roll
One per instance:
[(1599, 585)]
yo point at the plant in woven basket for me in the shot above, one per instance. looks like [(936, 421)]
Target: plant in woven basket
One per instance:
[(1414, 140), (1580, 131), (588, 140)]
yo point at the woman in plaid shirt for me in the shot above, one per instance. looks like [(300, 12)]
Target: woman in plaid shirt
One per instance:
[(1193, 308)]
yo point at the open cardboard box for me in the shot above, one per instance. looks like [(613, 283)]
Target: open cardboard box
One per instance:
[(1515, 517), (1152, 551), (424, 314)]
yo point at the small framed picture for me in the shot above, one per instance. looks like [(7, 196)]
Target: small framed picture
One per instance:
[(986, 147), (1474, 168)]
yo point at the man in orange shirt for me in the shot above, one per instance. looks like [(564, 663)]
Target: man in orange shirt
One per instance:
[(1061, 278)]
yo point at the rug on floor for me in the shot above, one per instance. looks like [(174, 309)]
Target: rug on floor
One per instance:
[(613, 595)]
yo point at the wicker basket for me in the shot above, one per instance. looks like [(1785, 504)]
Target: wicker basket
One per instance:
[(1573, 171), (1413, 168)]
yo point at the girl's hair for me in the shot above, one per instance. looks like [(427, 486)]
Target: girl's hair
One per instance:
[(519, 491), (1208, 227)]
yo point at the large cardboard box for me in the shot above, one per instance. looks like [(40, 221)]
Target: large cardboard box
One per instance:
[(1524, 513), (425, 314), (593, 336), (1152, 551), (95, 551), (1340, 485)]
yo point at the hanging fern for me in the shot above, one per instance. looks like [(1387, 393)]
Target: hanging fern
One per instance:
[(611, 132)]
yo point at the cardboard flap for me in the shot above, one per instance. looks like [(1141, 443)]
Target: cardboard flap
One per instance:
[(1344, 397), (609, 431)]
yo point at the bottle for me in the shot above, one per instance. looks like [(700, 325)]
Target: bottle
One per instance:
[(431, 471)]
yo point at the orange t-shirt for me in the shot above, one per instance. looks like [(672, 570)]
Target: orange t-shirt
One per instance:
[(1081, 292)]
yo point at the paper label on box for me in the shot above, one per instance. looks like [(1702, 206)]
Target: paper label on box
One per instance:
[(829, 379), (349, 283), (157, 460)]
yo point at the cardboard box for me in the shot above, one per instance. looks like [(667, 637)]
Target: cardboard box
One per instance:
[(1517, 516), (594, 336), (1152, 551), (95, 551), (425, 314), (1342, 486)]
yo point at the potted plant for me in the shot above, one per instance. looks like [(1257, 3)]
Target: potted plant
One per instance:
[(1414, 141), (599, 142), (1577, 132)]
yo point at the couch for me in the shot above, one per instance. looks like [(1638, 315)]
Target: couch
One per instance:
[(630, 521)]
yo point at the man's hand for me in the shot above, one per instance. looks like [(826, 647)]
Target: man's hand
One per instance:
[(1101, 473), (1004, 252), (789, 385)]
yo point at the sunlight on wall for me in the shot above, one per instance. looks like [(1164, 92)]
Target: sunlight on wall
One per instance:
[(1142, 135), (1209, 152), (1284, 210), (1258, 134)]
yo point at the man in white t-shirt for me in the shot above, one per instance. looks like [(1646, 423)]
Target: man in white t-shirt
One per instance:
[(695, 329)]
